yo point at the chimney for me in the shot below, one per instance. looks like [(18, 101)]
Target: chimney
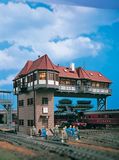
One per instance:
[(72, 66), (38, 56)]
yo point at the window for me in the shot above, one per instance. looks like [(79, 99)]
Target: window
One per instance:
[(93, 84), (50, 76), (17, 83), (21, 103), (44, 100), (67, 82), (35, 76), (101, 116), (56, 77), (101, 85), (73, 82), (106, 116), (23, 81), (110, 116), (30, 78), (30, 122), (42, 75), (45, 110), (62, 81), (30, 101), (21, 122), (97, 85), (106, 85)]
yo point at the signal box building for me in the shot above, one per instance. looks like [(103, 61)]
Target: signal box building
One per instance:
[(40, 81)]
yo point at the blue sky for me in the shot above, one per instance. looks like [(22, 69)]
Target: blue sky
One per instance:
[(86, 36), (106, 4)]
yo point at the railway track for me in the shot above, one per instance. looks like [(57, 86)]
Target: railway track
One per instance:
[(104, 138), (62, 149)]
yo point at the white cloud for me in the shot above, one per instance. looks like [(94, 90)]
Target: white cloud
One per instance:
[(73, 21), (17, 19), (74, 48), (7, 80), (71, 48), (5, 60), (14, 58), (36, 27)]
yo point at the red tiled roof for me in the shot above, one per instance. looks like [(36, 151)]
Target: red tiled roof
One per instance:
[(43, 63), (67, 72), (97, 76), (82, 73), (25, 69), (91, 75)]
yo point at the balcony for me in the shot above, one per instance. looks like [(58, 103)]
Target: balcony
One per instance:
[(22, 87), (92, 90), (69, 88)]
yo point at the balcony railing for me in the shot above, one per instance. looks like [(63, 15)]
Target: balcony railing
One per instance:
[(24, 85), (96, 90), (21, 88), (68, 88), (91, 90)]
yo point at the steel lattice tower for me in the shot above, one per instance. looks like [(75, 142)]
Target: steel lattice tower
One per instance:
[(6, 102)]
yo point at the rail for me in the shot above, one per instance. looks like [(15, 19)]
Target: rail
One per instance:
[(61, 149)]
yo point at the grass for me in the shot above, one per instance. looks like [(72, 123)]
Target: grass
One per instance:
[(10, 155)]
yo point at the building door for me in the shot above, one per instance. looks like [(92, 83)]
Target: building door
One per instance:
[(45, 121)]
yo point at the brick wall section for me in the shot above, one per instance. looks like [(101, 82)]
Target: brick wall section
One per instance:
[(27, 112), (39, 109)]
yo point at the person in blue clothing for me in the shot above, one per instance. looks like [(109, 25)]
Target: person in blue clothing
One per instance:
[(74, 132), (69, 132), (44, 132), (77, 133)]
